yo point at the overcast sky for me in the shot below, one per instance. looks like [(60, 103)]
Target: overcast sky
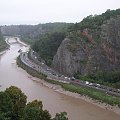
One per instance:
[(43, 11)]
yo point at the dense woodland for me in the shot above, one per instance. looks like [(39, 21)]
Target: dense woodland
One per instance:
[(93, 26), (48, 44), (3, 44), (14, 106), (38, 31), (94, 22)]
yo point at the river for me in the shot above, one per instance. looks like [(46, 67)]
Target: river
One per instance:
[(77, 109)]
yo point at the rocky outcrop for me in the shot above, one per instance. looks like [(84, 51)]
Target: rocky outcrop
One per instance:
[(64, 61), (92, 56)]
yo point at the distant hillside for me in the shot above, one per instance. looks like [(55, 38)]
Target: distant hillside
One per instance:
[(44, 37), (30, 33), (3, 44)]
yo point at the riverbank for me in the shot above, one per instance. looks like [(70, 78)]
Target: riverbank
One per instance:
[(19, 41), (66, 89), (59, 89)]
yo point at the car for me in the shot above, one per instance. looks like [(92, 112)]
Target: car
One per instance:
[(86, 82), (72, 78), (98, 85), (91, 84), (69, 79), (48, 69), (118, 90)]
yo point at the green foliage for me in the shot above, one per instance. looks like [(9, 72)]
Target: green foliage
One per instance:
[(92, 24), (48, 44), (18, 99), (35, 103), (6, 106), (31, 113), (3, 116), (27, 40), (55, 27), (111, 79), (97, 95), (83, 61), (74, 38), (34, 111), (3, 44), (12, 100), (83, 77), (107, 78), (84, 39), (61, 116)]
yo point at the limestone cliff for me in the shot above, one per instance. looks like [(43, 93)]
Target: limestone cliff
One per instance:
[(89, 54)]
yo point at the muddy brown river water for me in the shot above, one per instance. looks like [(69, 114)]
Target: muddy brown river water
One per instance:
[(77, 109)]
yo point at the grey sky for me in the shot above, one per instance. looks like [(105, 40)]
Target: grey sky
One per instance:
[(42, 11)]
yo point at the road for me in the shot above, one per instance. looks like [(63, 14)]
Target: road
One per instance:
[(51, 74), (41, 68)]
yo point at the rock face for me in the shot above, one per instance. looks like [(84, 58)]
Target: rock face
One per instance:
[(92, 56)]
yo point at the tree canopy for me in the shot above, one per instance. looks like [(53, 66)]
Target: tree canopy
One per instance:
[(48, 44), (14, 106), (3, 44)]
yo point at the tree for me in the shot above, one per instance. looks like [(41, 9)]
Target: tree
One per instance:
[(3, 44), (13, 107), (61, 116), (18, 99), (3, 116), (34, 111), (48, 44), (6, 106)]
